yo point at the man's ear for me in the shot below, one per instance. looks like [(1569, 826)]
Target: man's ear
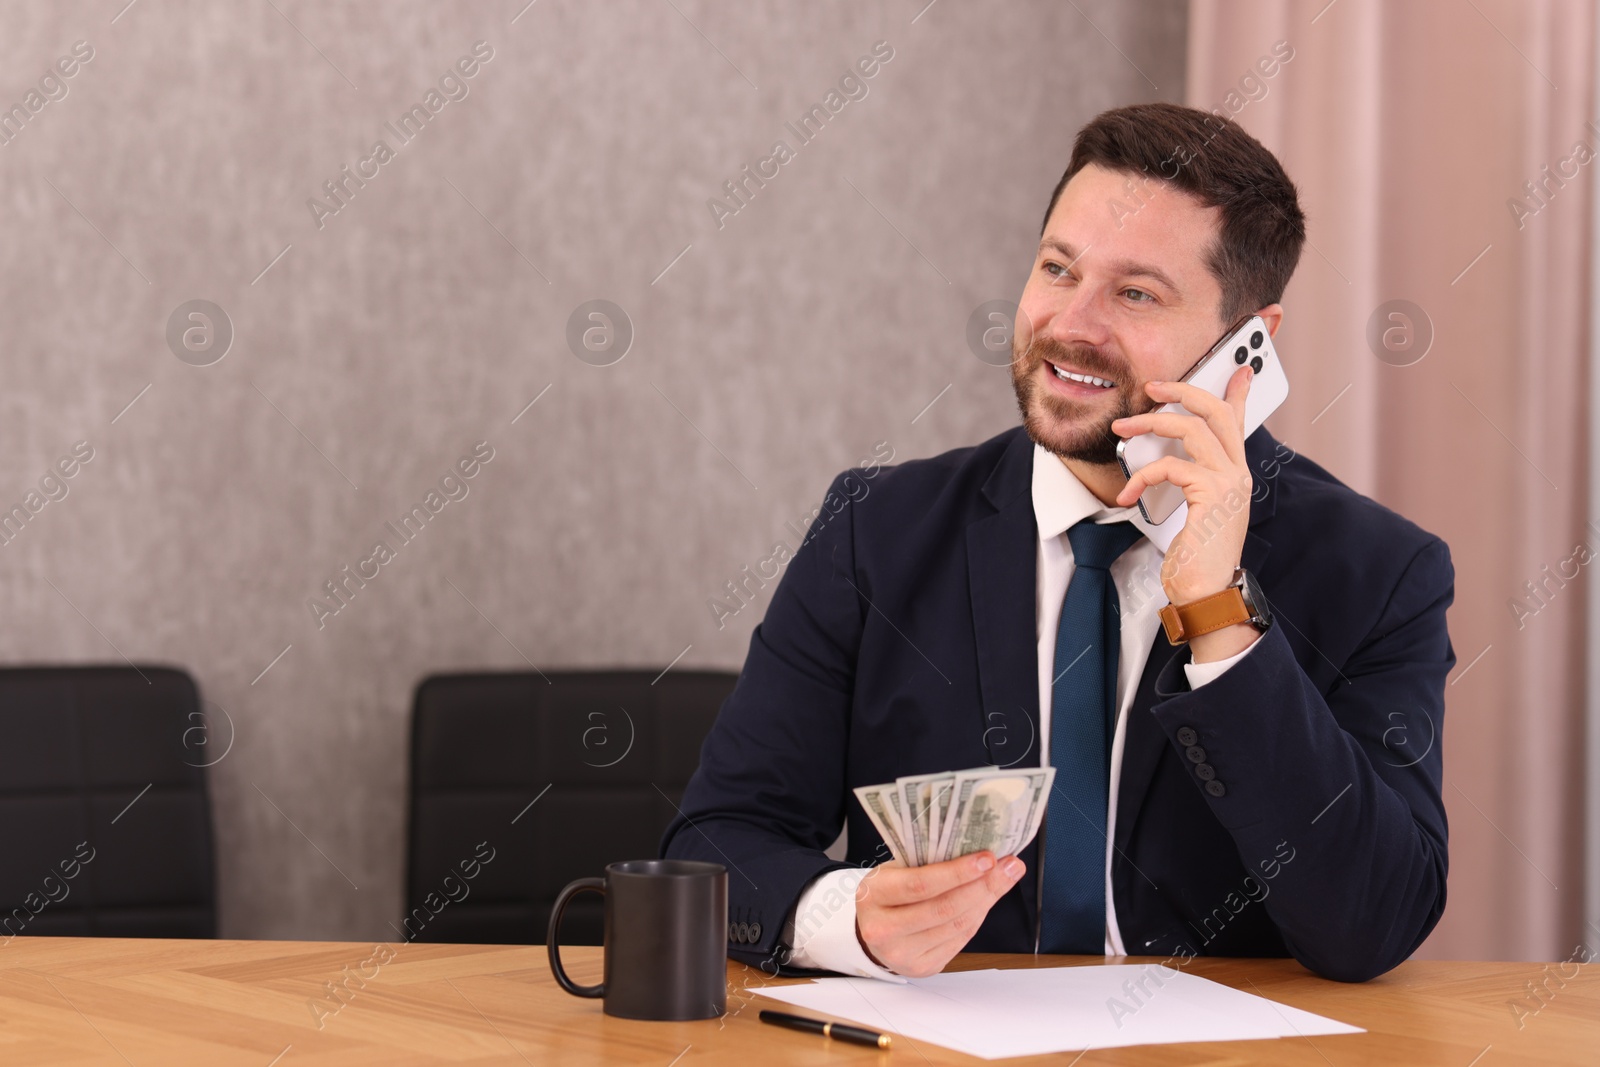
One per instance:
[(1272, 315)]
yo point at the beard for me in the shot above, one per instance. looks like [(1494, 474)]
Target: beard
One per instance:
[(1069, 428)]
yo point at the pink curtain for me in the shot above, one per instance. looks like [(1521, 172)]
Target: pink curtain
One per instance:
[(1412, 131)]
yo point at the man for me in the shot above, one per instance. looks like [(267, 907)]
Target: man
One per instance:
[(1269, 787)]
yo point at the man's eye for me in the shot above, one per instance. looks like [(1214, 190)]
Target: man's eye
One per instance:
[(1138, 296)]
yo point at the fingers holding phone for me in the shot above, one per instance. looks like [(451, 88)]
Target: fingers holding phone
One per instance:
[(1190, 450), (1244, 352)]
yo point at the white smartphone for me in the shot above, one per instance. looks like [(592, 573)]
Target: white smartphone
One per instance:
[(1247, 343)]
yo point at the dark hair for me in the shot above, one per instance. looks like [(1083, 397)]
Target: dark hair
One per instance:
[(1214, 160)]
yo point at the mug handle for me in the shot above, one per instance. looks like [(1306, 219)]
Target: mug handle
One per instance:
[(598, 885)]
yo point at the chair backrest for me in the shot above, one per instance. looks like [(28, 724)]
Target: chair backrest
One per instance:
[(105, 821), (520, 784)]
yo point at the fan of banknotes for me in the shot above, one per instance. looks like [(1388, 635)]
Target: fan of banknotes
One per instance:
[(929, 818)]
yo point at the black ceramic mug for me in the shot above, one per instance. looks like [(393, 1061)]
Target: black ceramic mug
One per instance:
[(666, 930)]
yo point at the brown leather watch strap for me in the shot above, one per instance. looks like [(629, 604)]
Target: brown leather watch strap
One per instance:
[(1186, 621)]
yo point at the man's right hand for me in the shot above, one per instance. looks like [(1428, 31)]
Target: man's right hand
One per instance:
[(913, 920)]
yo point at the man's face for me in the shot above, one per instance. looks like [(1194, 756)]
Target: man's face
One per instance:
[(1119, 291)]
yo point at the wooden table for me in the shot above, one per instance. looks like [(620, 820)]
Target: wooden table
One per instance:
[(259, 1003)]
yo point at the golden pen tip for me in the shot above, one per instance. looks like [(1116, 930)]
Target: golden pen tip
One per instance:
[(883, 1040)]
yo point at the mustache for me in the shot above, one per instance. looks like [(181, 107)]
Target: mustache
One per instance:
[(1086, 358)]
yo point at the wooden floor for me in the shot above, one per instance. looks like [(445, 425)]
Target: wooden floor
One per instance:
[(268, 1004)]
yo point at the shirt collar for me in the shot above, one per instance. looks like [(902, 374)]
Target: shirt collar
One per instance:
[(1061, 501)]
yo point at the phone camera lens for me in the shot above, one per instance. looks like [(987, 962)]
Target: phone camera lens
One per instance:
[(1255, 364), (1241, 354), (1256, 339)]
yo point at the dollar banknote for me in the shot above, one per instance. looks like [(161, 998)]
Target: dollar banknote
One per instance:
[(875, 801), (925, 798), (929, 818), (996, 811)]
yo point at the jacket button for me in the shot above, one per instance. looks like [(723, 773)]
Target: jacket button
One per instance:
[(1206, 772), (1215, 788), (755, 932), (1187, 736), (1196, 754), (733, 932), (744, 933)]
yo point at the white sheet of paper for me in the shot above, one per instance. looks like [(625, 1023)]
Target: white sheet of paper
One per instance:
[(995, 1014)]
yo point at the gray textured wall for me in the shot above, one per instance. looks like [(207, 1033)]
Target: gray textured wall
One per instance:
[(421, 318)]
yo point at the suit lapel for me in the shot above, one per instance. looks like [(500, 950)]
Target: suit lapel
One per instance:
[(1002, 563), (1143, 742), (1001, 570)]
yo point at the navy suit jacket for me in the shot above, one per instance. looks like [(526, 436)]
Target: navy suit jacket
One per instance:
[(902, 640)]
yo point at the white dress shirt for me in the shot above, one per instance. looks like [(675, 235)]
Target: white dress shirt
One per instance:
[(1060, 501)]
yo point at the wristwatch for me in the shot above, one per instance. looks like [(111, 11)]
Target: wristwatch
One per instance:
[(1242, 601)]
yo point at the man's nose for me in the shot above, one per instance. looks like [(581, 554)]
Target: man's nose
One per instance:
[(1076, 316)]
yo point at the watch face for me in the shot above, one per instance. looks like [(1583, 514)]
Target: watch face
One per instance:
[(1255, 600)]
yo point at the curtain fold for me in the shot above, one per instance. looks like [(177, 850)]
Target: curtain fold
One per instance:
[(1436, 341)]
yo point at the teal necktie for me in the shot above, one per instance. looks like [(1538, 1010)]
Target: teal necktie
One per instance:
[(1082, 713)]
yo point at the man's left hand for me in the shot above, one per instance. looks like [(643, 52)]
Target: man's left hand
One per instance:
[(1216, 484)]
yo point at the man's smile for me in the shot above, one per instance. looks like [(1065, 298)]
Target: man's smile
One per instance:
[(1073, 382)]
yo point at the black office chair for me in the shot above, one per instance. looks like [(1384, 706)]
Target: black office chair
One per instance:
[(105, 824), (519, 785)]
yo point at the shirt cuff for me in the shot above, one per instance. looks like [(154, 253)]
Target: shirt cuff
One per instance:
[(1201, 673), (823, 934)]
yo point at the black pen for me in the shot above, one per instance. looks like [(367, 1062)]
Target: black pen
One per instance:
[(838, 1031)]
